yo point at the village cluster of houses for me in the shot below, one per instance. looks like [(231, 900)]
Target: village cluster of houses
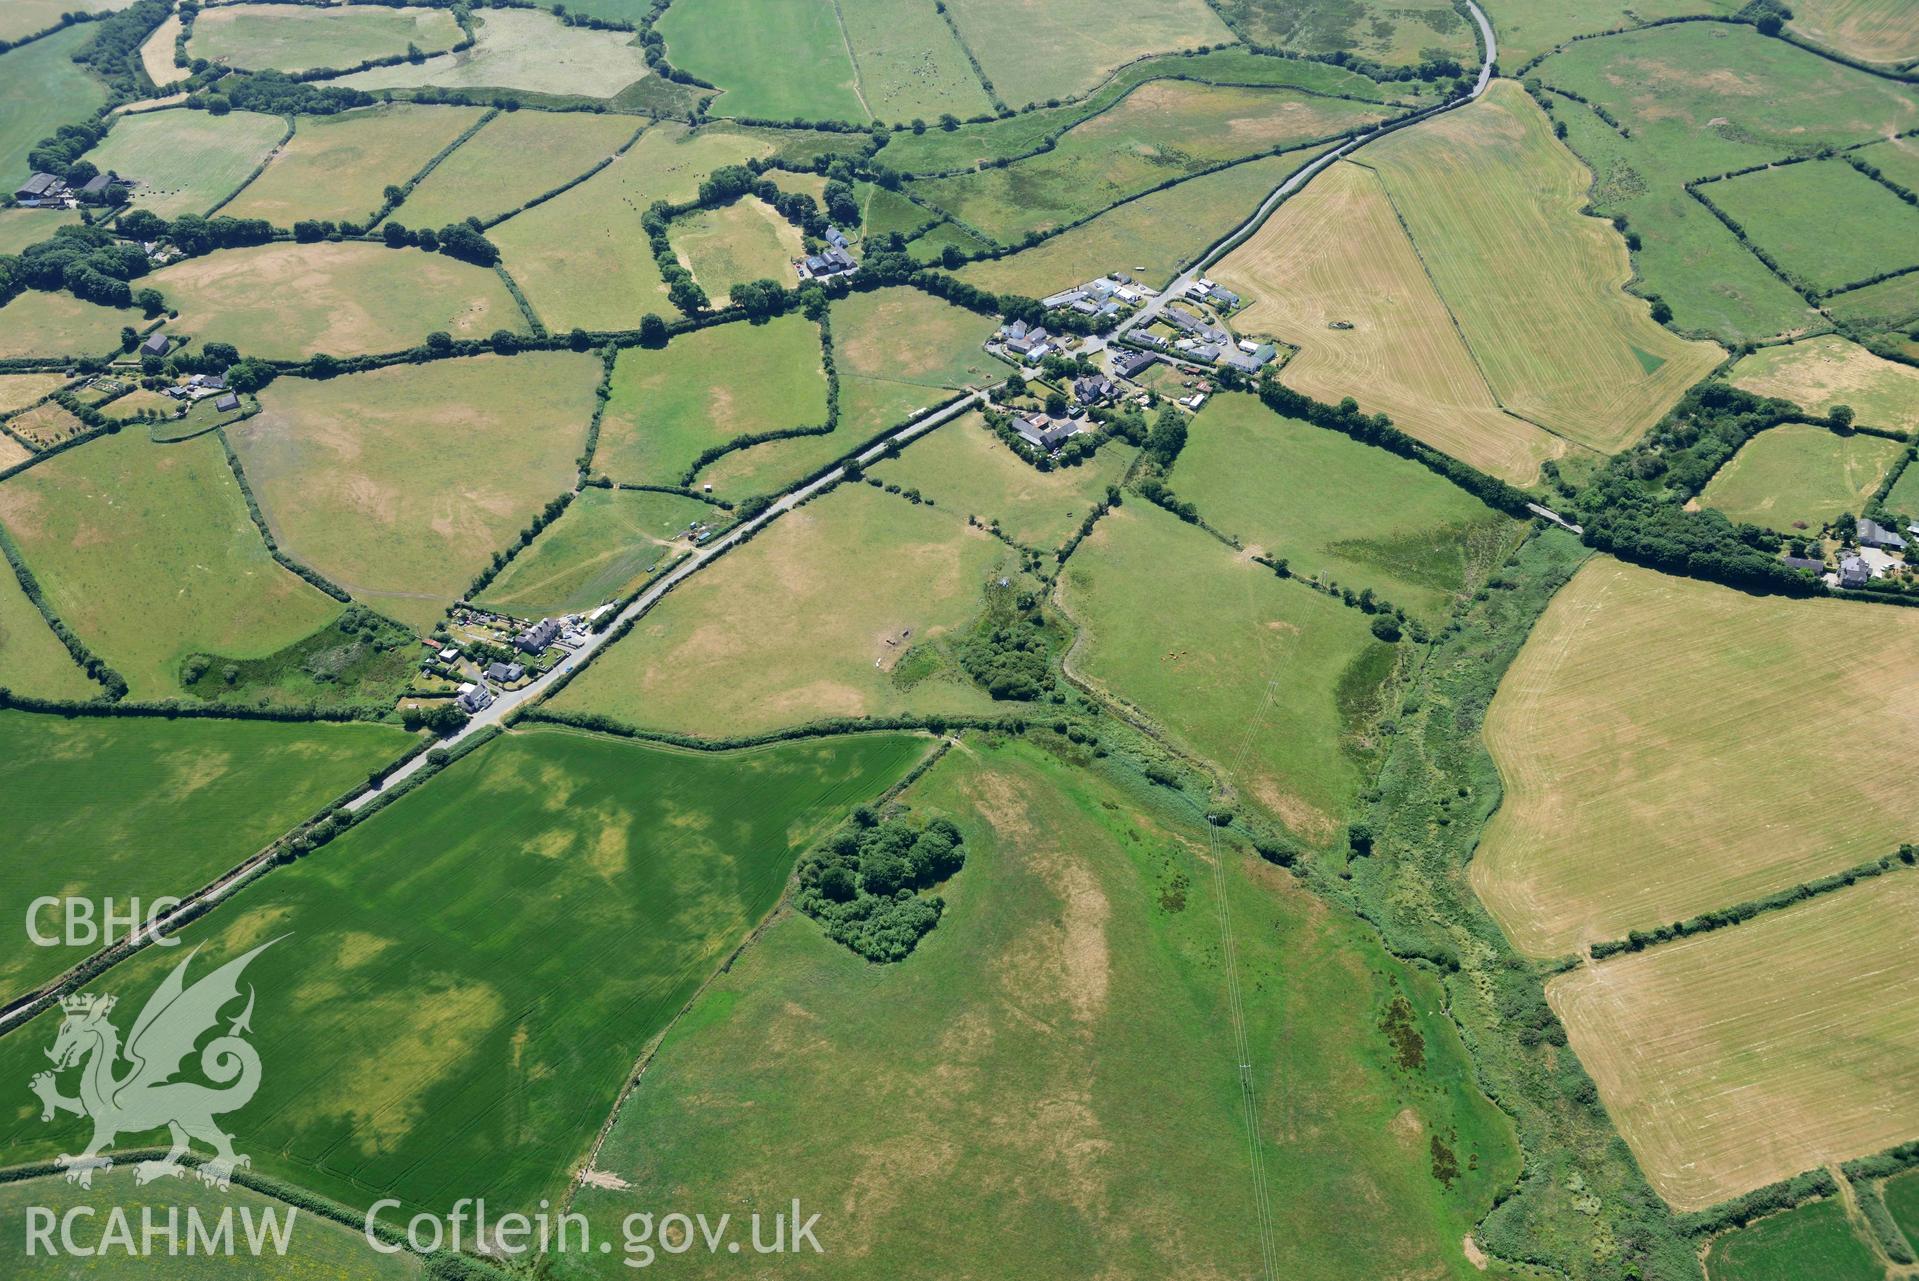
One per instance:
[(532, 640), (1880, 551), (834, 260), (48, 191), (1111, 295)]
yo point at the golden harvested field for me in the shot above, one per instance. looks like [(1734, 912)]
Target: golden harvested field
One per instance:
[(17, 391), (12, 452), (517, 155), (1492, 201), (1670, 746), (835, 586), (1822, 372), (156, 55), (523, 49), (1336, 252), (1733, 1059), (401, 483), (1871, 30), (285, 301), (336, 167), (301, 37)]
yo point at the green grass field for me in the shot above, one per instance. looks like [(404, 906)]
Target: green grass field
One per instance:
[(1047, 1086), (32, 659), (744, 241), (401, 483), (1823, 221), (1331, 506), (1799, 477), (583, 258), (704, 389), (134, 807), (1033, 53), (148, 553), (1823, 372), (282, 37), (965, 469), (1901, 1194), (836, 587), (1528, 28), (46, 324), (909, 63), (604, 546), (337, 167), (286, 301), (1382, 30), (187, 161), (1701, 99), (1163, 130), (318, 1249), (463, 984), (1889, 303), (1270, 680), (1810, 1241), (22, 18), (22, 227), (1645, 784), (42, 88), (517, 155), (523, 49), (1904, 497)]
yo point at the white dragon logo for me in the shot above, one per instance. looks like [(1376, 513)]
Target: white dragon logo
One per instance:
[(145, 1097)]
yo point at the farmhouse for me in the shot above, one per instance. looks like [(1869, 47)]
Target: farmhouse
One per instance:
[(833, 262), (1250, 362), (475, 698), (836, 238), (1873, 534), (1184, 319), (1045, 432), (1028, 342), (536, 638), (1092, 389), (1854, 572)]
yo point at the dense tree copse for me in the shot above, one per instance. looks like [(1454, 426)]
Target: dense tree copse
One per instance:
[(861, 884)]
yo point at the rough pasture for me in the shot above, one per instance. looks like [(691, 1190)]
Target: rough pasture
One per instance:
[(1823, 372), (338, 167), (1796, 477)]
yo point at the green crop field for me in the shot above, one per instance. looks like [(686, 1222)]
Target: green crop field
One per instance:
[(32, 659), (515, 157), (1871, 30), (523, 49), (336, 167), (22, 227), (442, 1015), (1811, 1241), (1798, 477), (897, 351), (42, 88), (1823, 372), (1330, 506), (1702, 99), (1535, 287), (283, 37), (706, 388), (1823, 221), (1163, 130), (22, 18), (965, 469), (583, 258), (148, 553), (1271, 681), (1647, 784), (1386, 31), (853, 596), (401, 483), (1685, 1041), (187, 161), (744, 241), (604, 546), (286, 301), (1051, 1073), (1034, 53), (317, 1249), (136, 807)]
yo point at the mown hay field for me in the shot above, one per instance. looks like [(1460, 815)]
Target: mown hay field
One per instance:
[(1815, 1240), (604, 545), (1163, 130), (1648, 783), (1823, 372), (1870, 30), (137, 807), (157, 54), (286, 301), (1033, 53), (42, 88), (1737, 1058), (1536, 287), (22, 227), (1389, 31), (515, 157), (17, 391), (337, 167), (1068, 1015), (522, 49), (1336, 253), (1330, 506), (283, 37), (187, 161), (148, 553), (37, 323), (1270, 680), (462, 985), (836, 586), (400, 483), (33, 661), (583, 258), (706, 388), (744, 241), (1800, 477), (965, 468), (1822, 221)]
